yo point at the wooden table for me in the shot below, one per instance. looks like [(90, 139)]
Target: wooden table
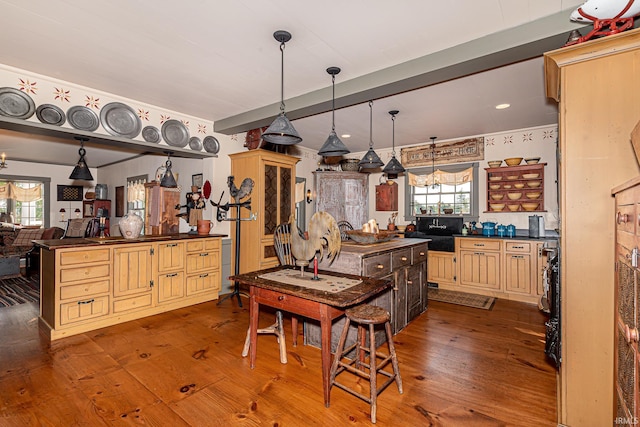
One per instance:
[(311, 303)]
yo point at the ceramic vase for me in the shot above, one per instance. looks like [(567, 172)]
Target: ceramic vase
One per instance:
[(130, 225)]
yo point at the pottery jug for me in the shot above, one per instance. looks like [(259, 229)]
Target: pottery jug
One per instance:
[(204, 226), (130, 225)]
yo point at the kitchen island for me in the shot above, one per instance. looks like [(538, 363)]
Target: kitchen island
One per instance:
[(90, 283)]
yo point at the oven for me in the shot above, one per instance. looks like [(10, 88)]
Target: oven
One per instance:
[(439, 229), (550, 303)]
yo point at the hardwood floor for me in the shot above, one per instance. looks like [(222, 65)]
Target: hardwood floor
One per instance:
[(460, 367)]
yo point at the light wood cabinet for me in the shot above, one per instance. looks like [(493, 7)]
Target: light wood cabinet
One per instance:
[(442, 268), (272, 200), (479, 263), (89, 286), (160, 209), (524, 183), (387, 197), (344, 195)]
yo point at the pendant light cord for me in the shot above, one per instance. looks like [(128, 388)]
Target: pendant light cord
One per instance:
[(333, 103), (370, 124), (282, 77), (393, 135)]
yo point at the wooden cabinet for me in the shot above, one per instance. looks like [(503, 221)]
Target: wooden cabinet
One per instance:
[(91, 286), (442, 268), (516, 188), (344, 195), (387, 197), (272, 199), (479, 263), (160, 209), (99, 209), (626, 358)]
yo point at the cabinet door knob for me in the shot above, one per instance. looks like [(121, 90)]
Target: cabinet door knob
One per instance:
[(281, 298), (404, 258), (379, 266), (622, 218), (630, 334)]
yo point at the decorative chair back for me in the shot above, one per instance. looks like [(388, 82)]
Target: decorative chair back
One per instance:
[(282, 243), (344, 226)]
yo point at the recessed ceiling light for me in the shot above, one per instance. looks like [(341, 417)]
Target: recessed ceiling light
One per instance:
[(502, 106), (345, 135)]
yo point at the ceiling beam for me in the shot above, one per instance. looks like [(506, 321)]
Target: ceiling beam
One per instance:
[(492, 51)]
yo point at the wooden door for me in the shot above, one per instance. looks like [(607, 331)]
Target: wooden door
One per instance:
[(132, 271), (480, 269), (518, 272)]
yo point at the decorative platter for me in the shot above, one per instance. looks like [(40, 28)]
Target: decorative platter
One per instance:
[(83, 118), (211, 144), (119, 119), (16, 103), (151, 134), (363, 238), (51, 114), (175, 133), (195, 143)]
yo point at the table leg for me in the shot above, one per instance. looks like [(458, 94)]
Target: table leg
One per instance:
[(254, 313), (294, 329), (325, 350)]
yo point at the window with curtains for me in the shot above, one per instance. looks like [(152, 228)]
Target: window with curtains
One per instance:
[(24, 201), (455, 187)]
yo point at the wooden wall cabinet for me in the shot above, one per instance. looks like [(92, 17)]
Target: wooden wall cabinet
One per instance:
[(272, 199), (524, 181), (344, 195), (387, 197), (160, 209)]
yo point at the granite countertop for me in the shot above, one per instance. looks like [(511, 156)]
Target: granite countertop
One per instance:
[(115, 240), (517, 237)]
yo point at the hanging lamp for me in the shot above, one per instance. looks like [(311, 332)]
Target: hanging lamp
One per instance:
[(370, 160), (168, 180), (434, 185), (333, 146), (394, 167), (281, 131), (81, 171)]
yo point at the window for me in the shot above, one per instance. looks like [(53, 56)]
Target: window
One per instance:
[(24, 200), (462, 197)]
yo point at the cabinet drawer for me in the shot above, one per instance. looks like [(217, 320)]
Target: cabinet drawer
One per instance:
[(401, 258), (84, 290), (84, 273), (77, 311), (202, 261), (83, 257), (420, 253), (130, 304), (518, 246), (485, 245), (379, 265), (203, 245), (171, 256), (202, 283)]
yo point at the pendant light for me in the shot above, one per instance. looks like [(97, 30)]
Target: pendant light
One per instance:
[(168, 180), (394, 167), (281, 131), (333, 146), (433, 162), (81, 171), (370, 160)]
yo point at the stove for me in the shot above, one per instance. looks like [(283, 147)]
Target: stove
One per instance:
[(439, 229)]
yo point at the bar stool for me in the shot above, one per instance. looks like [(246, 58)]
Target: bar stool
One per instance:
[(366, 315), (278, 330)]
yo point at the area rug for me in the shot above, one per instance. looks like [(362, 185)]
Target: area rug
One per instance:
[(18, 290), (461, 298)]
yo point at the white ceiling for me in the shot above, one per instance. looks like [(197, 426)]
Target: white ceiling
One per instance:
[(218, 60)]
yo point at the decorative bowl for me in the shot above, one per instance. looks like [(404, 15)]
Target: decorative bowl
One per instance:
[(448, 211), (497, 206), (513, 208), (530, 206), (497, 196), (506, 186), (513, 161), (363, 238), (519, 185), (533, 195), (349, 165), (512, 177), (532, 160), (494, 186), (514, 196), (533, 184), (530, 175), (494, 163), (495, 178)]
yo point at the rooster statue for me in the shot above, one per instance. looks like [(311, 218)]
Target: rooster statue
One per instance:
[(240, 193), (323, 231)]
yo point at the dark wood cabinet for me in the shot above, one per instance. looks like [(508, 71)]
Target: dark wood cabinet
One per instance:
[(516, 188), (387, 197), (344, 195)]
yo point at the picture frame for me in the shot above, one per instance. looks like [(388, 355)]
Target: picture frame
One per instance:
[(197, 180), (70, 193)]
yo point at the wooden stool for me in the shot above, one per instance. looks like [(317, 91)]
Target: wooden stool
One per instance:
[(278, 330), (366, 315)]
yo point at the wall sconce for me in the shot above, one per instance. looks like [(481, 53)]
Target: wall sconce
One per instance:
[(77, 212), (3, 164), (309, 199), (62, 212)]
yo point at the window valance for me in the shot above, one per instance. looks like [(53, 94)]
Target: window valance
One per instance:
[(441, 177), (12, 191)]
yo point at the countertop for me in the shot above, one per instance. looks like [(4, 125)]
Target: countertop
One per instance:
[(115, 240), (480, 236)]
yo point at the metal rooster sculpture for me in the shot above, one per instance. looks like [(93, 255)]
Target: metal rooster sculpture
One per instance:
[(243, 191), (323, 231)]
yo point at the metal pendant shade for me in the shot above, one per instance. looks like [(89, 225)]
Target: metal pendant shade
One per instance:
[(81, 170), (394, 167), (281, 131), (168, 180), (370, 160), (333, 146)]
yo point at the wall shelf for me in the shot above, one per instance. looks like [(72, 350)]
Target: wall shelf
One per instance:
[(524, 181)]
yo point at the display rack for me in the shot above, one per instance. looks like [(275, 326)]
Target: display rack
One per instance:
[(527, 180)]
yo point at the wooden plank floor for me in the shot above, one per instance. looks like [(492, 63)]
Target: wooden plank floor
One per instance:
[(460, 367)]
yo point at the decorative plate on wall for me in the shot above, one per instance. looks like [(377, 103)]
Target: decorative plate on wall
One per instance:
[(195, 143), (51, 114), (211, 144), (119, 119), (16, 103), (151, 134), (175, 133), (83, 118)]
